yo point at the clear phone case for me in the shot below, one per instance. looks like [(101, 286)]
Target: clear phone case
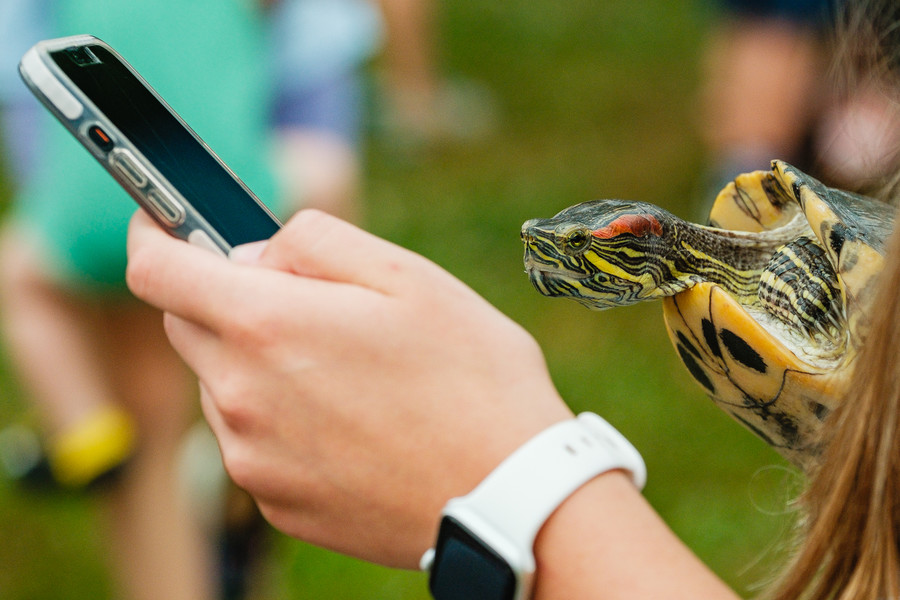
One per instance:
[(217, 227)]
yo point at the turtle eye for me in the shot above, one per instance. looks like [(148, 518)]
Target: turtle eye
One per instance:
[(577, 242)]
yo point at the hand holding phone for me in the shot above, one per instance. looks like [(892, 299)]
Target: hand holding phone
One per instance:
[(144, 144)]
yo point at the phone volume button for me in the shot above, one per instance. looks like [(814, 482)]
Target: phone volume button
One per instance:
[(124, 164), (167, 208)]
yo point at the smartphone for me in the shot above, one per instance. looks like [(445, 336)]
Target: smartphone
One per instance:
[(144, 144)]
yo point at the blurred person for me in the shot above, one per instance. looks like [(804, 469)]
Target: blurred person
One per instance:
[(21, 23), (767, 94), (858, 135), (422, 105), (319, 51), (112, 396), (412, 80), (762, 74)]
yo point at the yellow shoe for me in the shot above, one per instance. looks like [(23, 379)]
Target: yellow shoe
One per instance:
[(92, 448)]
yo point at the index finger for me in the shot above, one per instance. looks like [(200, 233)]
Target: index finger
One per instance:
[(177, 277), (208, 290)]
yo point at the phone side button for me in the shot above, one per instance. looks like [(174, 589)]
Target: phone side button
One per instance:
[(100, 138), (127, 167), (168, 209)]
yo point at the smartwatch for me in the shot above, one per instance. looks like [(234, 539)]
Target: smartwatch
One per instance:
[(485, 545)]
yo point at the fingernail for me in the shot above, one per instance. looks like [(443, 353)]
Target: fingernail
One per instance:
[(248, 254)]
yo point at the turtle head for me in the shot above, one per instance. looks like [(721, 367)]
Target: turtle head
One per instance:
[(602, 253)]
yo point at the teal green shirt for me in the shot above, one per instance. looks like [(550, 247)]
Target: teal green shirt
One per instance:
[(207, 59)]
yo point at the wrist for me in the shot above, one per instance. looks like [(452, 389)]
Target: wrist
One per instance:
[(486, 542), (606, 539), (576, 543)]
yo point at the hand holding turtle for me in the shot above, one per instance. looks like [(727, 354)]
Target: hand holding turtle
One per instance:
[(353, 385)]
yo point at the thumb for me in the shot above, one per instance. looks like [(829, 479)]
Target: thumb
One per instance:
[(315, 244), (248, 254)]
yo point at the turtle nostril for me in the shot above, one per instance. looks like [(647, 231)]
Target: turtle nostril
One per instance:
[(527, 233)]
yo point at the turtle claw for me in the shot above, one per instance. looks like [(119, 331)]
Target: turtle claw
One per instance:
[(753, 202)]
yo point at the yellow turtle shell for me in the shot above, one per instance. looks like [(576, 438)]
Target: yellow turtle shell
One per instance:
[(781, 387)]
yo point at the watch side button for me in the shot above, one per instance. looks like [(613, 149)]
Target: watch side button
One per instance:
[(427, 560)]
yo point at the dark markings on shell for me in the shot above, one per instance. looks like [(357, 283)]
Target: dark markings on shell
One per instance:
[(787, 426), (837, 237), (775, 192), (741, 351), (790, 431), (741, 200), (759, 432), (687, 344), (761, 416), (694, 368), (709, 334), (856, 218), (819, 410)]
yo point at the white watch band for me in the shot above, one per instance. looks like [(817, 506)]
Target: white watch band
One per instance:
[(510, 506)]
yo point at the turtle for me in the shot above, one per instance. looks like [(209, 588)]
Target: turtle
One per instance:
[(766, 306)]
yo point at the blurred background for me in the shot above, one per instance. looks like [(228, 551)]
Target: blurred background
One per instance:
[(582, 99)]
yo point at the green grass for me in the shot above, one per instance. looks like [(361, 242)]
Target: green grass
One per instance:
[(597, 99)]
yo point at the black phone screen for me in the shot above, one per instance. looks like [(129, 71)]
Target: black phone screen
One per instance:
[(163, 140)]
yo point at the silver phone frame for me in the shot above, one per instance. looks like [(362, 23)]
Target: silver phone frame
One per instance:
[(79, 114)]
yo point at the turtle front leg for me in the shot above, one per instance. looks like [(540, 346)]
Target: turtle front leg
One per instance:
[(800, 288)]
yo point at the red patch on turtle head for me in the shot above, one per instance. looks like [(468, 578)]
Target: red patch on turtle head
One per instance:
[(638, 225)]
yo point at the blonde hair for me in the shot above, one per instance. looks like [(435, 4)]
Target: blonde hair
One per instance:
[(851, 525), (850, 529)]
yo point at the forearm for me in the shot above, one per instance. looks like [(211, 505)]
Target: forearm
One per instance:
[(606, 542), (321, 412)]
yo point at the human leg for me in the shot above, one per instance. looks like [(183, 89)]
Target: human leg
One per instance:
[(44, 326), (78, 359), (157, 545), (421, 104), (760, 77), (316, 137)]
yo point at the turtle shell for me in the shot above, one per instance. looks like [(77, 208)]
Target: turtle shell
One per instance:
[(782, 386)]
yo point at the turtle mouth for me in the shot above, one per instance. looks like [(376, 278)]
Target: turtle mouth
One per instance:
[(595, 291), (543, 271), (534, 269), (553, 281)]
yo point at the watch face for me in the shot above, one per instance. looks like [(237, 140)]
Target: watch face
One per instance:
[(466, 569)]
